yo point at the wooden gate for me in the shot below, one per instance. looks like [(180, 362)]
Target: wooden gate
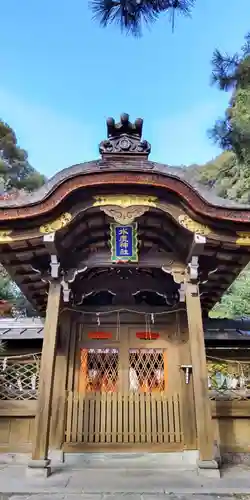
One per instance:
[(137, 419)]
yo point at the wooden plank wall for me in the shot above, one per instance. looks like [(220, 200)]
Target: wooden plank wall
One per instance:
[(231, 424), (16, 434), (16, 425)]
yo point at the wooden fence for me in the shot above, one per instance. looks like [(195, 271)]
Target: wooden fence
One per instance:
[(115, 418)]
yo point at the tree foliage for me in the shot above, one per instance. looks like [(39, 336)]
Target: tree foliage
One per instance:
[(15, 174), (226, 176), (232, 73), (235, 303), (229, 174), (12, 295), (7, 287), (131, 15), (15, 170)]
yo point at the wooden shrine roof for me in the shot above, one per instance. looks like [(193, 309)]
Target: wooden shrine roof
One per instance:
[(121, 171), (78, 204)]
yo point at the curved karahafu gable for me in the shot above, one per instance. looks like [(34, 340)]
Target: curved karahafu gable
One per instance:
[(71, 215), (108, 172), (124, 161)]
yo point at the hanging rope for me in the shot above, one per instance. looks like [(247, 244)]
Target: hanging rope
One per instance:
[(232, 365), (118, 326), (98, 319), (115, 311), (148, 327), (23, 356), (230, 361)]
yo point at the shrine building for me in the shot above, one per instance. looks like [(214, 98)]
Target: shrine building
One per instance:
[(123, 258)]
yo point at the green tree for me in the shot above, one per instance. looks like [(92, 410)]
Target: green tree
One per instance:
[(15, 174), (226, 176), (131, 15), (232, 73), (235, 303), (229, 173), (7, 287), (15, 170), (10, 292)]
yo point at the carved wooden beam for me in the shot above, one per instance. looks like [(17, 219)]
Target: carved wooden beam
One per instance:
[(103, 259), (24, 254), (92, 237), (114, 284)]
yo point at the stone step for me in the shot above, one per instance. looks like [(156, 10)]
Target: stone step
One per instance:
[(133, 461), (129, 461)]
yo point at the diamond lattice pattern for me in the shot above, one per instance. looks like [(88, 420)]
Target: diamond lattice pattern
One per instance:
[(146, 370), (99, 370), (19, 379), (228, 379)]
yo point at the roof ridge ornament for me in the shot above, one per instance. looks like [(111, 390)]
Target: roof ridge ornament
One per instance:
[(124, 138)]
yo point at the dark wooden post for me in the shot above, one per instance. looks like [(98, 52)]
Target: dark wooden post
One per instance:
[(200, 381), (40, 463)]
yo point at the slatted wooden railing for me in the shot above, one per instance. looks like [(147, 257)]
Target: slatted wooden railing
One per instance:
[(117, 418)]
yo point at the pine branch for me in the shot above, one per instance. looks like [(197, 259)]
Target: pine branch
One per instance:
[(131, 15), (225, 68), (246, 47)]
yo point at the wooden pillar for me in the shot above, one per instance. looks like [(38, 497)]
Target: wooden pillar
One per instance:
[(187, 394), (57, 426), (40, 443), (200, 380)]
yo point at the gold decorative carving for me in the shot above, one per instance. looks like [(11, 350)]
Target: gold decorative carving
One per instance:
[(243, 239), (178, 276), (53, 226), (125, 201), (177, 269), (124, 215), (5, 235), (193, 226)]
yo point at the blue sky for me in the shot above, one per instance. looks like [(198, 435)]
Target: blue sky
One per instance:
[(62, 76)]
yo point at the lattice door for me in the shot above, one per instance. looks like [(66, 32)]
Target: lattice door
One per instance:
[(100, 414), (99, 370), (146, 370)]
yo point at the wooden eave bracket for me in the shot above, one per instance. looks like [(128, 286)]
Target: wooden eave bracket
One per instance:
[(182, 292), (49, 241), (192, 276), (65, 290), (196, 249), (193, 289), (68, 278), (193, 268), (197, 246)]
